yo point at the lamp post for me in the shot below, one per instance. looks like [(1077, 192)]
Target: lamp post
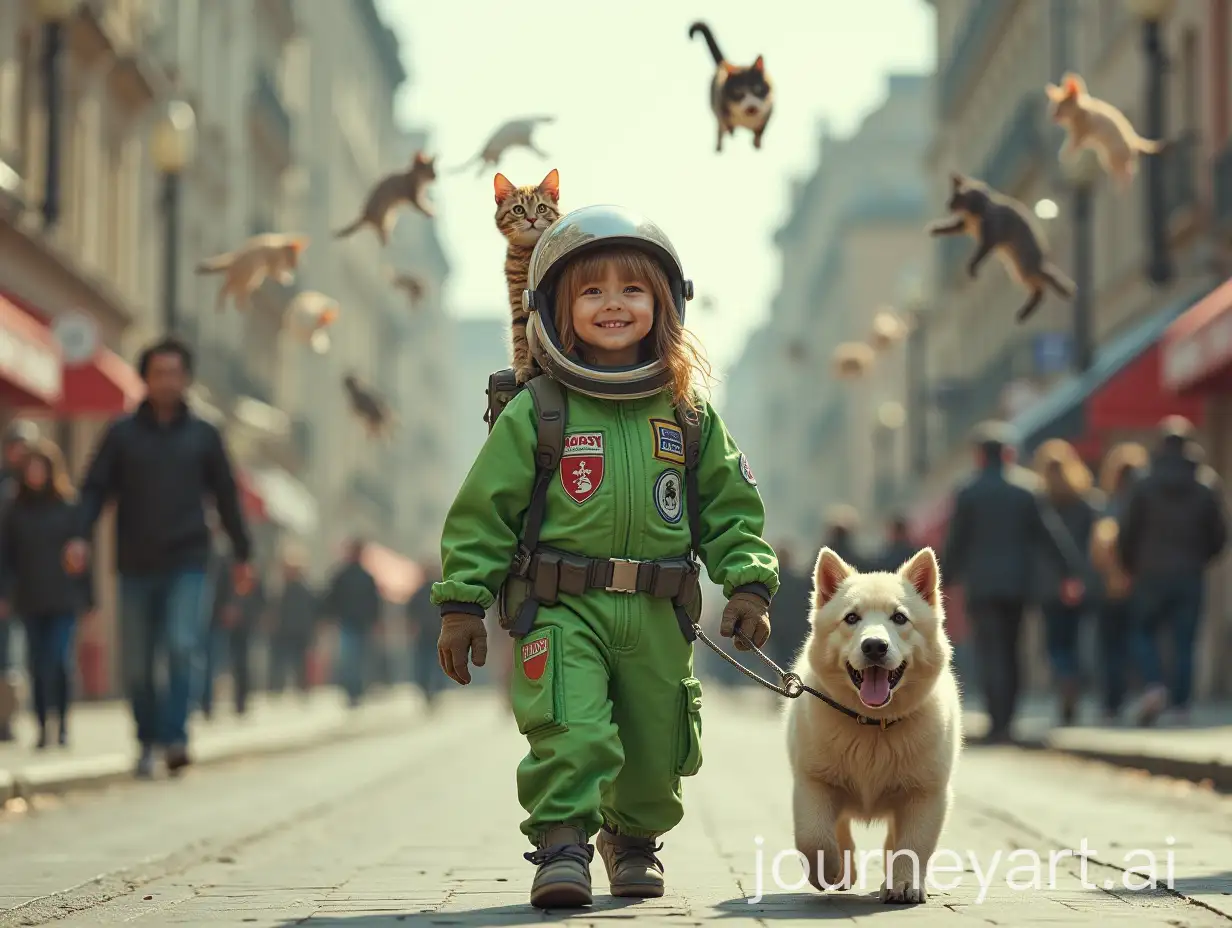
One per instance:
[(171, 146), (1152, 13), (54, 14), (1081, 173)]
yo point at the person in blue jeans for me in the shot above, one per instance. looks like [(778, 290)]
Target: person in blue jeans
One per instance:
[(35, 584), (354, 600), (160, 464)]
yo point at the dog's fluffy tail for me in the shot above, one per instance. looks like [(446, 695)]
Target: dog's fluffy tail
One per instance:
[(1055, 278)]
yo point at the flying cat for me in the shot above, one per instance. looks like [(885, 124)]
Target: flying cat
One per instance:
[(515, 133), (522, 216), (308, 316), (1098, 125), (1002, 224), (739, 96), (412, 285), (392, 191), (269, 255), (378, 419)]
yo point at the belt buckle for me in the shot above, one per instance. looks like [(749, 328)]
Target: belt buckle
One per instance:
[(624, 575)]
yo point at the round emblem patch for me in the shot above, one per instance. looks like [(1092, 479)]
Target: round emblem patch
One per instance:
[(747, 472), (667, 496)]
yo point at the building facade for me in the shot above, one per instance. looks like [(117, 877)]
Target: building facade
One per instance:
[(851, 247), (1087, 370)]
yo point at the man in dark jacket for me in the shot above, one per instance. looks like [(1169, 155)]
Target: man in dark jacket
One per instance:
[(998, 524), (294, 626), (424, 627), (15, 445), (1174, 526), (899, 548), (354, 602), (159, 465)]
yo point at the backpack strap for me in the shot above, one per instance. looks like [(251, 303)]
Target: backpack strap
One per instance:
[(690, 424), (550, 406)]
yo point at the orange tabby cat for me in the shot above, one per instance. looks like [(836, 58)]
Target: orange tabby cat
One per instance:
[(522, 216), (262, 256)]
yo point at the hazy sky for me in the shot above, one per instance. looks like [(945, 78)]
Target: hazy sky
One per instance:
[(630, 93)]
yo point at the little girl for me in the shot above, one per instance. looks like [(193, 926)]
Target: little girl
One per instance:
[(603, 686)]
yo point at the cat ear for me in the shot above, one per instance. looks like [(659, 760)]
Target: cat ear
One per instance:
[(421, 158), (298, 243), (1074, 85), (759, 65), (503, 187), (728, 67), (956, 179), (1054, 92), (551, 184)]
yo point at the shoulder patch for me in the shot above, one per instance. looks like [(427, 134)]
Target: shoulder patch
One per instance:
[(668, 497), (747, 472), (668, 441)]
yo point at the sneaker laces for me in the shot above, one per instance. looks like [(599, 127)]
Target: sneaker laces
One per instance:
[(639, 853), (582, 853)]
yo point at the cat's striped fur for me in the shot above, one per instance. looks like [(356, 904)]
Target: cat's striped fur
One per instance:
[(522, 216)]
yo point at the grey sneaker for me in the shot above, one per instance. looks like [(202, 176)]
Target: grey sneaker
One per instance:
[(177, 758), (633, 870), (563, 878), (145, 763)]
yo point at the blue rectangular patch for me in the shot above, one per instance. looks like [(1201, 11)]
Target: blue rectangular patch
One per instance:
[(668, 441)]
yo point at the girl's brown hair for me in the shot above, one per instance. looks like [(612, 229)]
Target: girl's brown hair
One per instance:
[(1061, 468), (668, 338), (58, 483)]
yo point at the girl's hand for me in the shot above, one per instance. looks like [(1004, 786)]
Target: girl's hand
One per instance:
[(748, 614), (461, 634)]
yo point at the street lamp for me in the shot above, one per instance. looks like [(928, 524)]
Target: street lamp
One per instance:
[(171, 146), (1081, 172), (1152, 13), (54, 14)]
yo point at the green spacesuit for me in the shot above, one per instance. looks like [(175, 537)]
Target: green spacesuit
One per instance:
[(603, 686)]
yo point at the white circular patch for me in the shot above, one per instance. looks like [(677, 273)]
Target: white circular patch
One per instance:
[(667, 496), (77, 335), (747, 472)]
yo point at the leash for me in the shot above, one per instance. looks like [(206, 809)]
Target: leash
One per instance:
[(792, 687)]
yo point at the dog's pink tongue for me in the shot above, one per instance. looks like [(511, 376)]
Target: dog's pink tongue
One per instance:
[(875, 687)]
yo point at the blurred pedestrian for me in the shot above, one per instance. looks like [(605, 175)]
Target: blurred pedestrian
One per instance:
[(840, 536), (1175, 525), (160, 464), (899, 548), (423, 628), (236, 617), (998, 525), (354, 602), (1123, 466), (36, 584), (789, 611), (1067, 485), (294, 617), (15, 444)]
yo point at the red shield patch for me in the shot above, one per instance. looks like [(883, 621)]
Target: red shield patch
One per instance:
[(581, 465), (535, 658)]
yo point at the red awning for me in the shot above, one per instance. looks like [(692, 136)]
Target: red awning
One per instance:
[(31, 372), (396, 576), (1131, 399), (1197, 347)]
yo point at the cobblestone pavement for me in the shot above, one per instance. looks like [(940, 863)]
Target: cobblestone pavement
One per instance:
[(420, 827)]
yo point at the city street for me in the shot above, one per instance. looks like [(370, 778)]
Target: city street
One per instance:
[(421, 827)]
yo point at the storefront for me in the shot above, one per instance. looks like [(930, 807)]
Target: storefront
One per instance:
[(1197, 366)]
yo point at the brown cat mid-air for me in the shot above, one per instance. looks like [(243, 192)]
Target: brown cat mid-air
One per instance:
[(522, 216), (246, 268), (739, 96), (1003, 225), (407, 186)]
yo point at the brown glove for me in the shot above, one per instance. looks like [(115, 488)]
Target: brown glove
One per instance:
[(748, 614), (461, 633)]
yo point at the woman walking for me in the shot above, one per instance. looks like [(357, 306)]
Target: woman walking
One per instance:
[(35, 583), (1068, 486)]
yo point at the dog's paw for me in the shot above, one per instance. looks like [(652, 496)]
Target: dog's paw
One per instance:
[(903, 892)]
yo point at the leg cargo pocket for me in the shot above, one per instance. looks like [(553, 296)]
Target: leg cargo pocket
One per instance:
[(689, 742), (538, 683)]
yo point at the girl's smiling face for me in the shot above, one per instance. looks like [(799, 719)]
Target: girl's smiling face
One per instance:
[(611, 315)]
